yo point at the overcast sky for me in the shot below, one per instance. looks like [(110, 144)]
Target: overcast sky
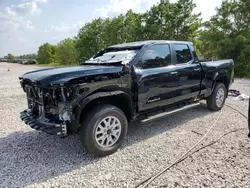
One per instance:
[(26, 24)]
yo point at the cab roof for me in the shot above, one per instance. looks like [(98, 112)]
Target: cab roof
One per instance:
[(139, 44)]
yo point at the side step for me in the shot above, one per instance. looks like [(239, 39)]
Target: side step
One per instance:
[(161, 115)]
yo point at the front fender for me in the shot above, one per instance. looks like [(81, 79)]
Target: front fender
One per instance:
[(90, 98), (75, 125)]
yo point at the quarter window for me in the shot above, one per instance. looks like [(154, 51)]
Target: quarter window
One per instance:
[(156, 56), (182, 53)]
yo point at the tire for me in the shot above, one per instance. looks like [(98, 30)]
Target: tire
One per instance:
[(217, 99), (93, 123)]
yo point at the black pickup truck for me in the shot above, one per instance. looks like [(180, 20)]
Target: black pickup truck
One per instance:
[(139, 81)]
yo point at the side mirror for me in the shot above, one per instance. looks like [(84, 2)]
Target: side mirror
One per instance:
[(196, 60)]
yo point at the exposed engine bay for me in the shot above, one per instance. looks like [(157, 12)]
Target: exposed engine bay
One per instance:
[(55, 103), (48, 105)]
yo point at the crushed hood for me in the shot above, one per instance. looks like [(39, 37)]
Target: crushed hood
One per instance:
[(62, 75)]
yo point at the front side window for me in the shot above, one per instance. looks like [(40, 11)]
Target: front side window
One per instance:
[(183, 54), (156, 56)]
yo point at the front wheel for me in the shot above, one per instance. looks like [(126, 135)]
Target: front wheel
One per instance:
[(217, 99), (103, 130)]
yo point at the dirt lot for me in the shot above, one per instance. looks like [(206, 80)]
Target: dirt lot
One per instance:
[(33, 159)]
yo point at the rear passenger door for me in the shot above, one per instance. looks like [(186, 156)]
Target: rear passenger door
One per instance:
[(189, 72), (157, 80)]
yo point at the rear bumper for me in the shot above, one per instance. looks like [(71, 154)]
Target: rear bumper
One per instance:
[(37, 124)]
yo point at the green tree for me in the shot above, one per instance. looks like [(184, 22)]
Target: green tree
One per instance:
[(10, 57), (46, 54), (66, 53), (89, 39), (227, 35), (133, 27), (27, 56), (163, 21), (172, 21), (113, 31)]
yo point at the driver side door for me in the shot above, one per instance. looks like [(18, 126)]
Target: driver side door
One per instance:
[(157, 79)]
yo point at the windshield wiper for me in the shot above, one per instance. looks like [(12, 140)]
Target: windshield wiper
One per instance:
[(104, 61), (94, 61), (111, 57), (98, 60)]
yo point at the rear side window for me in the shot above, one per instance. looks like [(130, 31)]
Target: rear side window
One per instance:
[(156, 56), (183, 53)]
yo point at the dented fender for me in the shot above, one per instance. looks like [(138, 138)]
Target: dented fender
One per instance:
[(78, 107), (99, 95)]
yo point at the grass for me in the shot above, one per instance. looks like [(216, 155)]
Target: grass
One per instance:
[(49, 65)]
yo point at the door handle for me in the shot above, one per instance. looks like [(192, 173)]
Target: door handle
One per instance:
[(173, 73), (197, 70)]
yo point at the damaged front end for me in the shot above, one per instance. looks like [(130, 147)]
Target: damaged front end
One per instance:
[(47, 108)]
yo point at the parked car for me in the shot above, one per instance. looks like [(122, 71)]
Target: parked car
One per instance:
[(20, 61), (3, 60), (139, 81), (29, 62)]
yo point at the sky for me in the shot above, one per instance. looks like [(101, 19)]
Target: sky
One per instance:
[(26, 24)]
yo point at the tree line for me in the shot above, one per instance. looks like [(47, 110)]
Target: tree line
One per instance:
[(10, 57), (225, 35)]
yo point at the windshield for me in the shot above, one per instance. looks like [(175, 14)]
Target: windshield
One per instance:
[(123, 55)]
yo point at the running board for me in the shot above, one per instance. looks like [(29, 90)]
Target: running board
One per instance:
[(161, 115)]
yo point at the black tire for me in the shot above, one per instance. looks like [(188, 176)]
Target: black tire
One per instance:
[(89, 126), (211, 100)]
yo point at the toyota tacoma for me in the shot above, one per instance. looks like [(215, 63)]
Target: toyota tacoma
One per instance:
[(138, 81)]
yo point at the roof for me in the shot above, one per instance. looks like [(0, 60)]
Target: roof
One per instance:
[(138, 44)]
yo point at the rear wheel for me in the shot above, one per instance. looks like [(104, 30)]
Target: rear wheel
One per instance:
[(103, 130), (217, 99)]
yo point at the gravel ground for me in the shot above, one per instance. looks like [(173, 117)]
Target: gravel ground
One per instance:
[(29, 158)]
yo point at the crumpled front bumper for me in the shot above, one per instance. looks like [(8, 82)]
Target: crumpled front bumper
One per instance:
[(37, 124)]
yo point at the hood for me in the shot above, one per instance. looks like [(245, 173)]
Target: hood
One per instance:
[(64, 74)]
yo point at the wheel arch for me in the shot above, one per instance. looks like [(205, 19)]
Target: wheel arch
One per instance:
[(222, 76), (119, 99)]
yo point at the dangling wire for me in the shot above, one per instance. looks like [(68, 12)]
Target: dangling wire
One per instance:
[(186, 155)]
